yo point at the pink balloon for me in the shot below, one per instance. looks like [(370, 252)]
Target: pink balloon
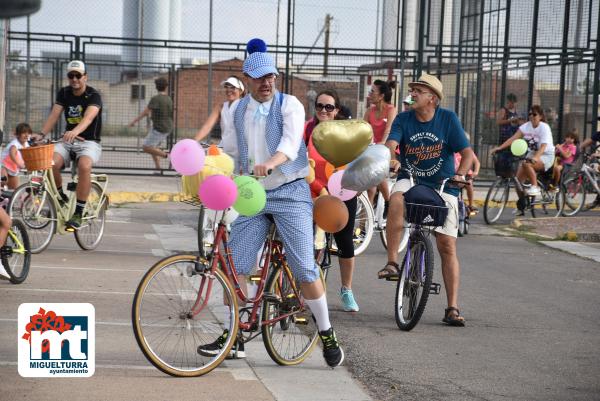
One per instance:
[(187, 157), (218, 192), (334, 185)]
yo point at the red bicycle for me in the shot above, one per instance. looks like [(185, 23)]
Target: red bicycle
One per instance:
[(187, 300)]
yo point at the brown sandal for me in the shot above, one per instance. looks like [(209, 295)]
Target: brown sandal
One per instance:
[(452, 317), (391, 269)]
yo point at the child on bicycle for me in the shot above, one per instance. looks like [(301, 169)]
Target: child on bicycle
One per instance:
[(11, 158), (470, 176), (565, 154), (5, 223)]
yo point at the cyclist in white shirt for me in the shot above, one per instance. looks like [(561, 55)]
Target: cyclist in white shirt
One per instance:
[(538, 135)]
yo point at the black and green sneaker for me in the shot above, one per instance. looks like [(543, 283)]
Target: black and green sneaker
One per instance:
[(213, 349), (332, 352), (74, 223)]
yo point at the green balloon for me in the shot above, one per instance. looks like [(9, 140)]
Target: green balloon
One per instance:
[(518, 147), (251, 196)]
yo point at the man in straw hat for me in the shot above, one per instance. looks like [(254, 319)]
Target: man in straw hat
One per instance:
[(428, 136), (82, 107), (268, 130)]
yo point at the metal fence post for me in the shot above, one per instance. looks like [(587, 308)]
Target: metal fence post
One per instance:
[(563, 70), (506, 53), (534, 27), (476, 132)]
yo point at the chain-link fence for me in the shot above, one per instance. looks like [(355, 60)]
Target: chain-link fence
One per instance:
[(543, 51)]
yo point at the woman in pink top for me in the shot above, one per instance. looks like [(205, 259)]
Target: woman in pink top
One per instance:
[(381, 115), (566, 154)]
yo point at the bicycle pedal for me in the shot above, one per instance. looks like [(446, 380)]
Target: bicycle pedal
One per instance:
[(72, 186), (435, 288), (300, 320), (269, 296), (392, 278)]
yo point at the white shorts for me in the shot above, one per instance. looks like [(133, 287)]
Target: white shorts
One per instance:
[(154, 138), (450, 226), (91, 149), (547, 160)]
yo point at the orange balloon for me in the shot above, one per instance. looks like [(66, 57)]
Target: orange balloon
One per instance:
[(330, 169), (213, 150), (330, 213)]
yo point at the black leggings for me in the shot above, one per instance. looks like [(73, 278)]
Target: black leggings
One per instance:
[(344, 238)]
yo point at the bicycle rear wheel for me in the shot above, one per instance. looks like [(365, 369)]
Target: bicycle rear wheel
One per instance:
[(412, 291), (496, 200), (363, 224), (18, 260), (165, 325), (574, 195), (89, 235), (32, 204), (289, 340)]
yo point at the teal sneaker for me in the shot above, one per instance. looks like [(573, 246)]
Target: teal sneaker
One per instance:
[(348, 301)]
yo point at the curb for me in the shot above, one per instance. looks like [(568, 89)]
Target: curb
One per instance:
[(122, 197)]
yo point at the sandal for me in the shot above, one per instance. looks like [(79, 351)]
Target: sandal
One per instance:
[(452, 317), (391, 269)]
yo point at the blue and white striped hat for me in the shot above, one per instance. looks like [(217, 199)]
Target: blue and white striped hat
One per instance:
[(259, 63)]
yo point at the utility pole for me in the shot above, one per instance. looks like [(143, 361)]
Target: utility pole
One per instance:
[(328, 19)]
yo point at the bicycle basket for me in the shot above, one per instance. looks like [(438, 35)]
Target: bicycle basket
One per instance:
[(425, 207), (505, 164), (38, 157)]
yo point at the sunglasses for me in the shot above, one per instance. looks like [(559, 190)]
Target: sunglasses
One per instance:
[(328, 107), (74, 75), (533, 114)]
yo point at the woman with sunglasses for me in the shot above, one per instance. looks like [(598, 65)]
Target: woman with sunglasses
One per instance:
[(327, 107), (381, 115), (234, 91), (540, 157)]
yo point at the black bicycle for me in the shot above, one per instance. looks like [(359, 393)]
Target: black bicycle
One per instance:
[(497, 197)]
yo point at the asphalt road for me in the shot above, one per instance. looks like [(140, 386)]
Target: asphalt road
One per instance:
[(532, 325)]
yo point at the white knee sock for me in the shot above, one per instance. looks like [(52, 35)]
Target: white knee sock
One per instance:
[(318, 307)]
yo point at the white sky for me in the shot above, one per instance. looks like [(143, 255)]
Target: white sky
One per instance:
[(354, 21)]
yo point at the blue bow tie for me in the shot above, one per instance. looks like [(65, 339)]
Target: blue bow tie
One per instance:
[(261, 112)]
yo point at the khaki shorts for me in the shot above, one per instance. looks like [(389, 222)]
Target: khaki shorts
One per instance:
[(450, 226)]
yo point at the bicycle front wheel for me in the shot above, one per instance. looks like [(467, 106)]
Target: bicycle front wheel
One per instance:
[(412, 291), (291, 339), (496, 200), (574, 195), (178, 307), (363, 224), (16, 262), (89, 235), (32, 204)]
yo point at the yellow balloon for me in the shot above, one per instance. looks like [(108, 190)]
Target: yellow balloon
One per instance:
[(221, 164), (341, 141), (216, 164)]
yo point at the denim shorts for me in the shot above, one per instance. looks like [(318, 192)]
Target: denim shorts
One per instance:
[(154, 138)]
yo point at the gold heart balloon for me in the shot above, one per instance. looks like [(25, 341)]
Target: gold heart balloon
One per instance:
[(341, 141)]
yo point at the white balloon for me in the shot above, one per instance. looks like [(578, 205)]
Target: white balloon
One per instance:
[(368, 170)]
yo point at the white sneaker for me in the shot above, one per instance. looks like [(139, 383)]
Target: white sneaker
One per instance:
[(533, 190), (3, 273)]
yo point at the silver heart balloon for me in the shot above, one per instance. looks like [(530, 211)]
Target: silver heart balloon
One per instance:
[(368, 170)]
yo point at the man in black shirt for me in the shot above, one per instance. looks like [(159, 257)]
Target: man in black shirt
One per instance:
[(82, 107)]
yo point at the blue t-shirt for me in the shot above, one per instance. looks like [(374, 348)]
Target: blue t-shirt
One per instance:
[(427, 149)]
